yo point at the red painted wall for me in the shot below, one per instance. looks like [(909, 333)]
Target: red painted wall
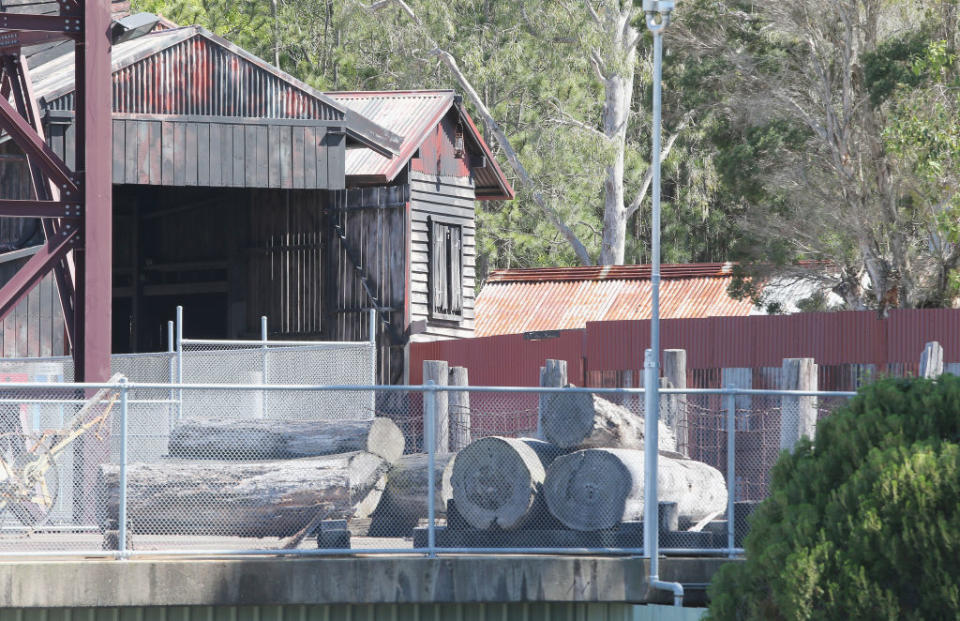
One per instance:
[(832, 339)]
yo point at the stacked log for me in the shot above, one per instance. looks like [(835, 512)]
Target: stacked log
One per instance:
[(497, 482), (266, 498), (256, 478), (584, 420), (233, 439), (596, 489)]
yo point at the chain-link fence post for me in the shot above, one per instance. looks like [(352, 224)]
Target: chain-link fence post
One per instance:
[(122, 509), (265, 374), (373, 359), (429, 431), (180, 362), (731, 412), (171, 373)]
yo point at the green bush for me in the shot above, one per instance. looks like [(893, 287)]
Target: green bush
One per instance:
[(866, 523)]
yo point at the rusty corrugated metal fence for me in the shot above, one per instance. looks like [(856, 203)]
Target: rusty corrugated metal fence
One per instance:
[(880, 345)]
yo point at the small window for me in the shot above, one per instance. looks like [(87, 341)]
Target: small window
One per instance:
[(446, 270)]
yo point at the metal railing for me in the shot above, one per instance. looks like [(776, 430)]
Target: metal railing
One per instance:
[(126, 486)]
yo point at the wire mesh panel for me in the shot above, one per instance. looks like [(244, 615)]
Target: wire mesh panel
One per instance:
[(53, 445), (329, 364), (540, 470)]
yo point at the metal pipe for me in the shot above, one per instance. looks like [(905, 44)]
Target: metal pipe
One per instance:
[(122, 509), (171, 370), (265, 374), (731, 468), (429, 427), (180, 362), (653, 8), (373, 359)]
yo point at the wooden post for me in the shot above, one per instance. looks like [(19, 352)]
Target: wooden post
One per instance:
[(675, 372), (459, 410), (739, 377), (438, 371), (798, 415), (931, 361), (554, 374)]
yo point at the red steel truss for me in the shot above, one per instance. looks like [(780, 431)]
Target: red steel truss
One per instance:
[(74, 205)]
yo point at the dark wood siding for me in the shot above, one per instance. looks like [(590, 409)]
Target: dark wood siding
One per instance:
[(207, 152), (372, 255), (450, 200)]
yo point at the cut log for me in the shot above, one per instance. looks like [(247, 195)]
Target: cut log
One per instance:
[(498, 481), (595, 489), (584, 420), (232, 439), (274, 498), (404, 501)]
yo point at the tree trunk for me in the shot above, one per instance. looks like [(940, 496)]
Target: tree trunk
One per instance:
[(274, 498), (233, 439), (597, 489), (498, 481), (404, 501), (584, 420), (618, 87)]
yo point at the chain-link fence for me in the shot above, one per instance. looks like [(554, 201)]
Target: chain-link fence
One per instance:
[(115, 470)]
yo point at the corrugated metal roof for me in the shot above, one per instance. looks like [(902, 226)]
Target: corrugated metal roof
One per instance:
[(515, 301), (54, 80), (611, 272), (410, 114), (413, 114)]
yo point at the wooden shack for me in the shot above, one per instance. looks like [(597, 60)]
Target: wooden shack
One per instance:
[(241, 192)]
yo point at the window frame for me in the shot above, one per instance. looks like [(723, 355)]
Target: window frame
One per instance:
[(433, 222)]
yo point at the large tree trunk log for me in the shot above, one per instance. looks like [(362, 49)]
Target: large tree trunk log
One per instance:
[(404, 501), (595, 489), (274, 498), (498, 481), (234, 439), (584, 420)]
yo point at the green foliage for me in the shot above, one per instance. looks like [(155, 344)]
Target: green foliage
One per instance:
[(865, 524)]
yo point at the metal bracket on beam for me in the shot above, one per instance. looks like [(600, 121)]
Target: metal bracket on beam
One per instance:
[(38, 209), (41, 23)]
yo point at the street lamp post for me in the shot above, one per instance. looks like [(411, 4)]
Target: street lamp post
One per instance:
[(658, 18)]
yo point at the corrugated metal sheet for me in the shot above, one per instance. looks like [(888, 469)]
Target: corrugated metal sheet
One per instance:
[(182, 72), (611, 272), (192, 72), (861, 338), (515, 301), (410, 114), (367, 612), (413, 115)]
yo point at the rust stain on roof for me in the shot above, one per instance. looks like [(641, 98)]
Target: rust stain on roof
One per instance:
[(524, 300)]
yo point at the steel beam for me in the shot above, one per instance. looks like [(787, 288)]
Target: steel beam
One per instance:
[(35, 269), (38, 209), (34, 146), (64, 274), (41, 23), (94, 107)]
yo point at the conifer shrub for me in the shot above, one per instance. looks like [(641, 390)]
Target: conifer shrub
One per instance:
[(863, 524)]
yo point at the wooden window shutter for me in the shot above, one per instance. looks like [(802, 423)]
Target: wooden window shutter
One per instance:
[(438, 260), (456, 270)]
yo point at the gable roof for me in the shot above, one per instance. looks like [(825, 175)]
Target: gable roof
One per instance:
[(524, 300), (191, 71), (413, 114)]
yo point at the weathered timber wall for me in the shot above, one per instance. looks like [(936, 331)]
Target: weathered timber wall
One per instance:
[(449, 200), (371, 254)]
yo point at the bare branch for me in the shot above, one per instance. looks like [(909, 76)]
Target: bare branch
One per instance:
[(648, 176), (451, 64), (548, 210)]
